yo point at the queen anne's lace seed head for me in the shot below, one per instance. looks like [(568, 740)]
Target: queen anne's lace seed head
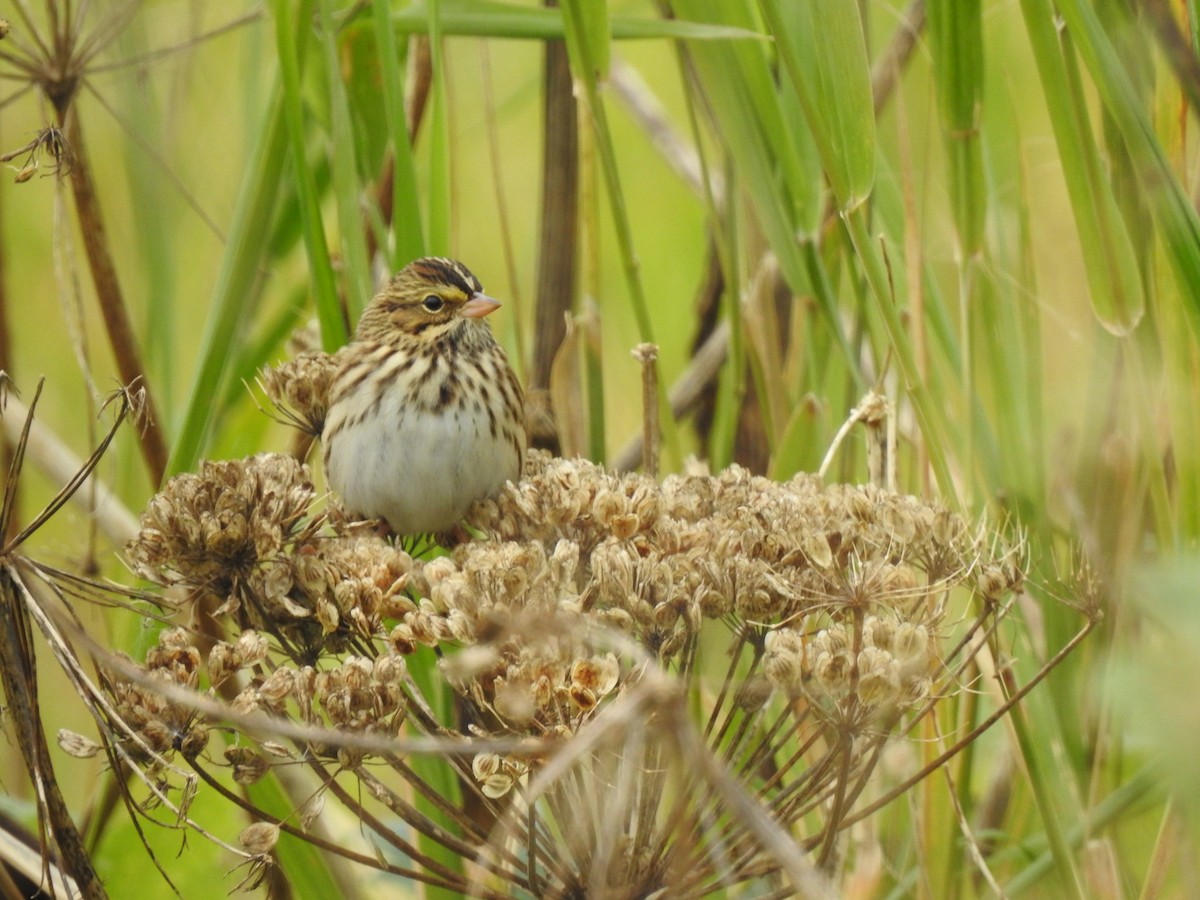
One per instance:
[(299, 388), (577, 584)]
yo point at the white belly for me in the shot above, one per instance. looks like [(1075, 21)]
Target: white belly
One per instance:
[(422, 472)]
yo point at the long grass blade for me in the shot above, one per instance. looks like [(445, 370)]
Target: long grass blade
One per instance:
[(1113, 275), (233, 293), (291, 31)]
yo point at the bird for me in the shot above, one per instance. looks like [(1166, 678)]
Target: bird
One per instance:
[(425, 415)]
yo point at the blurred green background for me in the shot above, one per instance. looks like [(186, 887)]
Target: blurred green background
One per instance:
[(1006, 250)]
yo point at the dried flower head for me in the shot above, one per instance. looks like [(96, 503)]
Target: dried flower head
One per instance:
[(215, 530), (299, 388), (161, 726), (584, 595)]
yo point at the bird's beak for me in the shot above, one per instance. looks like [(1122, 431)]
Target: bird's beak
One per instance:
[(479, 306)]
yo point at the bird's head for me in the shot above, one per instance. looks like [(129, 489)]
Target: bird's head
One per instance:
[(429, 297)]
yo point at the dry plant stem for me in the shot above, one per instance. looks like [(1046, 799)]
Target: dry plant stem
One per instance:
[(412, 816), (420, 83), (57, 461), (559, 229), (466, 783), (686, 392), (329, 847), (1175, 47), (406, 812), (6, 367), (885, 74), (806, 879), (68, 490), (974, 849), (1016, 697), (20, 859), (647, 355), (121, 338), (18, 671)]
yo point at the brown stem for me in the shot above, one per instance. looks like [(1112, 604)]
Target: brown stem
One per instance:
[(18, 673), (647, 355), (559, 232), (6, 366), (112, 303), (1175, 48)]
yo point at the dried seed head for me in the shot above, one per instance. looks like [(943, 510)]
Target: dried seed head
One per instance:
[(75, 744), (248, 766), (514, 701), (278, 687), (878, 677), (259, 838), (754, 693), (194, 742), (209, 530), (223, 661), (299, 388), (252, 648), (783, 659)]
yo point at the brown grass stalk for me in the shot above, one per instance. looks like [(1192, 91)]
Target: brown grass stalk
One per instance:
[(558, 237), (121, 338)]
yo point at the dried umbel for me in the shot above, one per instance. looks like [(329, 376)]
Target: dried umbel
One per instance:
[(806, 624), (158, 726), (299, 388), (215, 530), (244, 534)]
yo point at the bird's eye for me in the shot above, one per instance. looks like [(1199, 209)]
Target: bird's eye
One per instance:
[(433, 303)]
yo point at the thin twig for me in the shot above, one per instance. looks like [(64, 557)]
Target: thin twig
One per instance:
[(60, 465)]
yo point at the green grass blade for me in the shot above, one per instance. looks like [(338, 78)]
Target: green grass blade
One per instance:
[(1174, 212), (408, 239), (1113, 277), (956, 46), (346, 187), (235, 284), (823, 50), (486, 18), (739, 85), (593, 30), (290, 40)]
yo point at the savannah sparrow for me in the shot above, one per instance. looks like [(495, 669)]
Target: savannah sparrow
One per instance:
[(425, 414)]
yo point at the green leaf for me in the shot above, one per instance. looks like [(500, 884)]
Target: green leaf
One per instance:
[(1172, 207), (824, 52), (1114, 279), (290, 43), (487, 18), (956, 47), (407, 230), (235, 284)]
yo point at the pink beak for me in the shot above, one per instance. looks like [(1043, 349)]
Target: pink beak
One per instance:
[(479, 306)]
